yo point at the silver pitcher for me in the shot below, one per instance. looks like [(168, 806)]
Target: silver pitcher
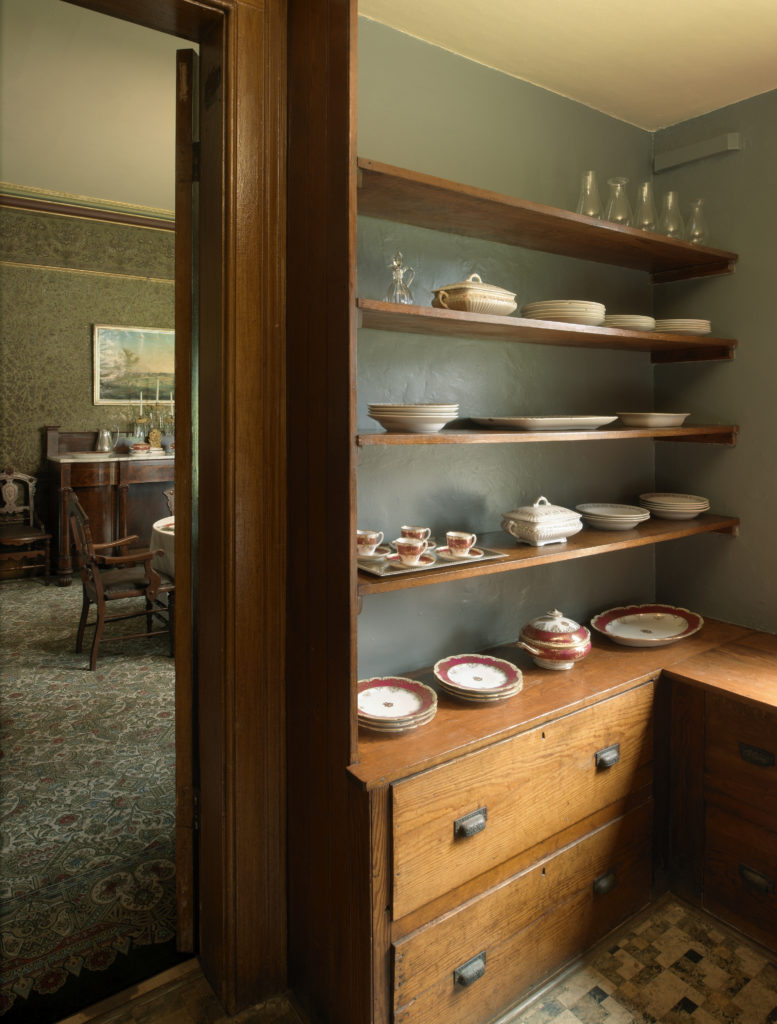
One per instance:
[(106, 440)]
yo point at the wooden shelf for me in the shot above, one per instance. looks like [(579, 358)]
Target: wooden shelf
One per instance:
[(664, 347), (715, 434), (392, 193), (522, 556)]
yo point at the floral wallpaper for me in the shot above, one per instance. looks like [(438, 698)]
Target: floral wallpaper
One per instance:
[(59, 275)]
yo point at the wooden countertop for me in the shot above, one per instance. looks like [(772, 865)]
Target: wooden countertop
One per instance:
[(733, 659)]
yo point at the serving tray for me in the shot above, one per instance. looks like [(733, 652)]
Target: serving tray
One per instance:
[(389, 569)]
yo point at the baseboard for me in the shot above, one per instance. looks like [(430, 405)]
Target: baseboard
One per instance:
[(151, 988)]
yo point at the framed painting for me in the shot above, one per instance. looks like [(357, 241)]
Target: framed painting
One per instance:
[(133, 364)]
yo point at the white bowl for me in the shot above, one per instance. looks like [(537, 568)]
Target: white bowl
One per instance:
[(653, 419)]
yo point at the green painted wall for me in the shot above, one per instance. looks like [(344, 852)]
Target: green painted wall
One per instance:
[(429, 110), (59, 276)]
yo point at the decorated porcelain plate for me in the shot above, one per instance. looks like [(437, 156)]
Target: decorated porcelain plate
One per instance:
[(647, 625), (543, 422), (471, 556), (394, 699), (478, 673)]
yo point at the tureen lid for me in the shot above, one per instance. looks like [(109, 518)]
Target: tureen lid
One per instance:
[(554, 622), (542, 512), (475, 283)]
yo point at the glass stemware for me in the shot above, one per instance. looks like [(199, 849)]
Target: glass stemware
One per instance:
[(671, 222), (589, 202), (697, 226), (645, 213), (618, 205)]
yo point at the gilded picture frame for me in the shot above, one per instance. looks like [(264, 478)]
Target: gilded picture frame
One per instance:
[(130, 362)]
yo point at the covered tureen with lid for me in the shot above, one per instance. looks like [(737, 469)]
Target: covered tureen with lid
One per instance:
[(555, 641), (542, 523), (473, 295)]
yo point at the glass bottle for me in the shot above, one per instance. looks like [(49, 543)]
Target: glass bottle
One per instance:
[(697, 226), (618, 205), (399, 289), (589, 202), (671, 222), (645, 213)]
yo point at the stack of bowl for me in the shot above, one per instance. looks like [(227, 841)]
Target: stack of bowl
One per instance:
[(609, 516), (674, 506), (413, 419), (568, 311)]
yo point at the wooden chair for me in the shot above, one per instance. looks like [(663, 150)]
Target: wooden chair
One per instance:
[(170, 496), (113, 577), (24, 543)]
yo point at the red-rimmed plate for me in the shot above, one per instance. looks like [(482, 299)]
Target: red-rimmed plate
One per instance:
[(647, 625), (474, 674), (386, 699)]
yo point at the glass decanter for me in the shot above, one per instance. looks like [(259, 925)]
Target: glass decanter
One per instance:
[(671, 222), (645, 213), (589, 202), (618, 205), (697, 226), (401, 279)]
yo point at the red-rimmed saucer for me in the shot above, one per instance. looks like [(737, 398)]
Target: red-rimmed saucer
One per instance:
[(647, 625), (471, 556), (424, 562)]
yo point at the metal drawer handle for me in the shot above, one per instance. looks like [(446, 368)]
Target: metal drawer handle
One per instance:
[(608, 756), (755, 755), (605, 883), (470, 824), (469, 972), (756, 880)]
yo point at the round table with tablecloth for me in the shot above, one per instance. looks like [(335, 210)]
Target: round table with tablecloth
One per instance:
[(163, 537)]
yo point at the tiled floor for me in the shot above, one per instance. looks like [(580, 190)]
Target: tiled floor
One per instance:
[(673, 964)]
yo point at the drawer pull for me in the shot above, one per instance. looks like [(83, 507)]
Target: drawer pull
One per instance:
[(470, 824), (469, 972), (608, 756), (756, 880), (754, 755), (605, 883)]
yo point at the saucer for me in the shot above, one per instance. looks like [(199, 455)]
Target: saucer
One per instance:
[(431, 544), (377, 555), (423, 562), (471, 556)]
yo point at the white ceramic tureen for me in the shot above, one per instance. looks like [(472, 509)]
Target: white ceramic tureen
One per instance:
[(475, 296), (555, 641), (542, 523)]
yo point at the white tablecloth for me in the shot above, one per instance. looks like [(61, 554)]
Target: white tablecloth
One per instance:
[(163, 536)]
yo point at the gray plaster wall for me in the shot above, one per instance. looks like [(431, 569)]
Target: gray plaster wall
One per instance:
[(423, 108), (734, 580)]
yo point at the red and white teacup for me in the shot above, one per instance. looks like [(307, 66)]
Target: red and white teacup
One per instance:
[(418, 532), (410, 549), (367, 541), (459, 543)]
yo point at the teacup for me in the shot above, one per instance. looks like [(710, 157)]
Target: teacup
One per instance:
[(367, 541), (419, 532), (459, 543), (410, 549)]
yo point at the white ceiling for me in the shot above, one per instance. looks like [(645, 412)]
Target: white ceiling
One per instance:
[(649, 64)]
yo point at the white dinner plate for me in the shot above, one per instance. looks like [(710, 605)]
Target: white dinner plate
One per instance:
[(543, 422)]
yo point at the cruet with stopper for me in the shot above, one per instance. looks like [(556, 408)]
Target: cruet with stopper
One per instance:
[(401, 279)]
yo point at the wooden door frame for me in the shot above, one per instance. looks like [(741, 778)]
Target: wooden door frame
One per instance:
[(240, 577)]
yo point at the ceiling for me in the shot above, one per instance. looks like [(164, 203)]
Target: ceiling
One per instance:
[(649, 64)]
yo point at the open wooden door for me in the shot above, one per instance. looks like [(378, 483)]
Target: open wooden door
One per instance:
[(186, 340)]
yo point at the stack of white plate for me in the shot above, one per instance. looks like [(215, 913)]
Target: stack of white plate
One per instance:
[(478, 677), (682, 326), (630, 322), (568, 311), (426, 418), (674, 506), (609, 516), (393, 704), (653, 419)]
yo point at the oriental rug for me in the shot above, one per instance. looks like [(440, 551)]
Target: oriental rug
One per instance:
[(87, 809)]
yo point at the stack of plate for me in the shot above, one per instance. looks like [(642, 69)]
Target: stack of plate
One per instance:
[(478, 677), (674, 506), (568, 311), (630, 322), (608, 516), (394, 704), (413, 419), (684, 326), (653, 419)]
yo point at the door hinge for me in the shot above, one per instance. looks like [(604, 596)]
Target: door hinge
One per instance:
[(196, 810), (195, 161)]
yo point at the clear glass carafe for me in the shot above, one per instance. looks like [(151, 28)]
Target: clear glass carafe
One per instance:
[(645, 211), (697, 226), (671, 221), (401, 279), (589, 202), (618, 205)]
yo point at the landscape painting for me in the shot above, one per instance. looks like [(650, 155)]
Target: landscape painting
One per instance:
[(133, 361)]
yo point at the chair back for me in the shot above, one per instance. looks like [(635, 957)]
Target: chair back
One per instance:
[(170, 495), (17, 497), (81, 533)]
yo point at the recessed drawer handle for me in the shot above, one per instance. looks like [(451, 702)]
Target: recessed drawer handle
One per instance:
[(608, 756), (469, 972), (605, 883), (754, 755), (470, 824), (756, 880)]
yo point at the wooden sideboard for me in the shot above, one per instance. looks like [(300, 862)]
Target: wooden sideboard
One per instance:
[(121, 494)]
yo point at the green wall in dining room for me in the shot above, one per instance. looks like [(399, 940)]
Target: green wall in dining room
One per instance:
[(60, 275)]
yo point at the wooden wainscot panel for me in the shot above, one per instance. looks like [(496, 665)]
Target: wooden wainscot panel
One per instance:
[(741, 753), (525, 929), (740, 875), (524, 789)]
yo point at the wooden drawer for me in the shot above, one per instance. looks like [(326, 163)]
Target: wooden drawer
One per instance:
[(740, 874), (741, 753), (525, 928), (531, 786)]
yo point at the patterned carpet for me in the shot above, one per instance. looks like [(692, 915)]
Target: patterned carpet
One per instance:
[(87, 876)]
